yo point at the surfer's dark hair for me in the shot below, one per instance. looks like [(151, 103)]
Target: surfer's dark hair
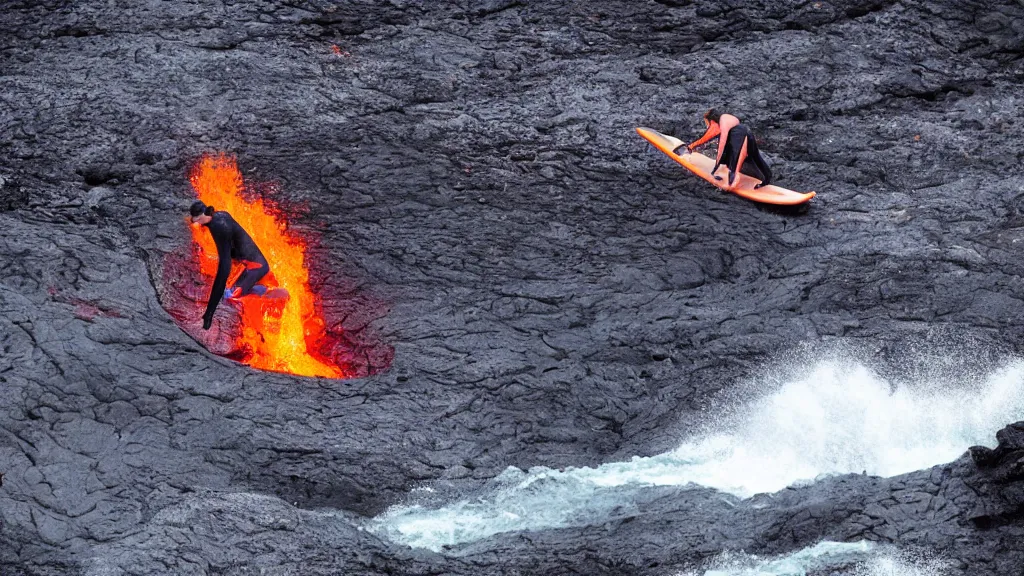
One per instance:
[(713, 115), (198, 207)]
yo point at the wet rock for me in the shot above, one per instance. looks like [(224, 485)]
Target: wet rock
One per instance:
[(1010, 448), (998, 484)]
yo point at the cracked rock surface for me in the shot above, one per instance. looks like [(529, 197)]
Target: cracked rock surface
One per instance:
[(556, 293)]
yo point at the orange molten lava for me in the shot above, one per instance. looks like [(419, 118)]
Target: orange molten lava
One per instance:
[(274, 338)]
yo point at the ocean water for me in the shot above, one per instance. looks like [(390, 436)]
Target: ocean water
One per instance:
[(841, 558), (834, 418)]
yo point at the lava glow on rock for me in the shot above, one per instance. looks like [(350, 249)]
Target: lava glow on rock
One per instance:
[(270, 336)]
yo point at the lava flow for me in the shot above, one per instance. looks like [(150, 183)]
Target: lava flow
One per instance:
[(271, 337)]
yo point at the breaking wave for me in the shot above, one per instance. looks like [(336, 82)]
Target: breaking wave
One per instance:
[(854, 559), (837, 418)]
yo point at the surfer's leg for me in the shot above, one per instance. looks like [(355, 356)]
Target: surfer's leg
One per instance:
[(762, 166), (750, 168), (740, 159), (733, 147), (728, 154), (250, 276)]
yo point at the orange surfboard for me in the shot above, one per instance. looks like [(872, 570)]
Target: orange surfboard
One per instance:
[(743, 185)]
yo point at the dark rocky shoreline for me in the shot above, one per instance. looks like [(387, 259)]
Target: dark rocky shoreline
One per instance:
[(555, 292)]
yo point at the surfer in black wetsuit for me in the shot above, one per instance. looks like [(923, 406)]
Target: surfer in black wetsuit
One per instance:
[(736, 143), (233, 243)]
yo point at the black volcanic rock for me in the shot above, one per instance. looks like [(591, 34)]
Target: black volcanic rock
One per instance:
[(1001, 480), (556, 293), (1005, 456)]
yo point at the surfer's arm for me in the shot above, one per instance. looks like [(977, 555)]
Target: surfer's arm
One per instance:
[(221, 280), (713, 131)]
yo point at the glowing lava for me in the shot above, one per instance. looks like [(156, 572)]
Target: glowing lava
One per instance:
[(272, 337)]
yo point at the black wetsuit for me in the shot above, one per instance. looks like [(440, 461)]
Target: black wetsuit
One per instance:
[(731, 154), (233, 243)]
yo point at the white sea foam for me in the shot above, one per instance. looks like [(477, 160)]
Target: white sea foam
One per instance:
[(837, 418), (853, 558)]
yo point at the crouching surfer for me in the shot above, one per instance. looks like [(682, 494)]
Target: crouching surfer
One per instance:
[(736, 144), (233, 243)]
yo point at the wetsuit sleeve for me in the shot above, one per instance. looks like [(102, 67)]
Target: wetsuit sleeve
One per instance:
[(223, 242), (713, 131)]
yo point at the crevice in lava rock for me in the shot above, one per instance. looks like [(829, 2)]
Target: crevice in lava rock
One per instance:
[(859, 11), (992, 521)]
